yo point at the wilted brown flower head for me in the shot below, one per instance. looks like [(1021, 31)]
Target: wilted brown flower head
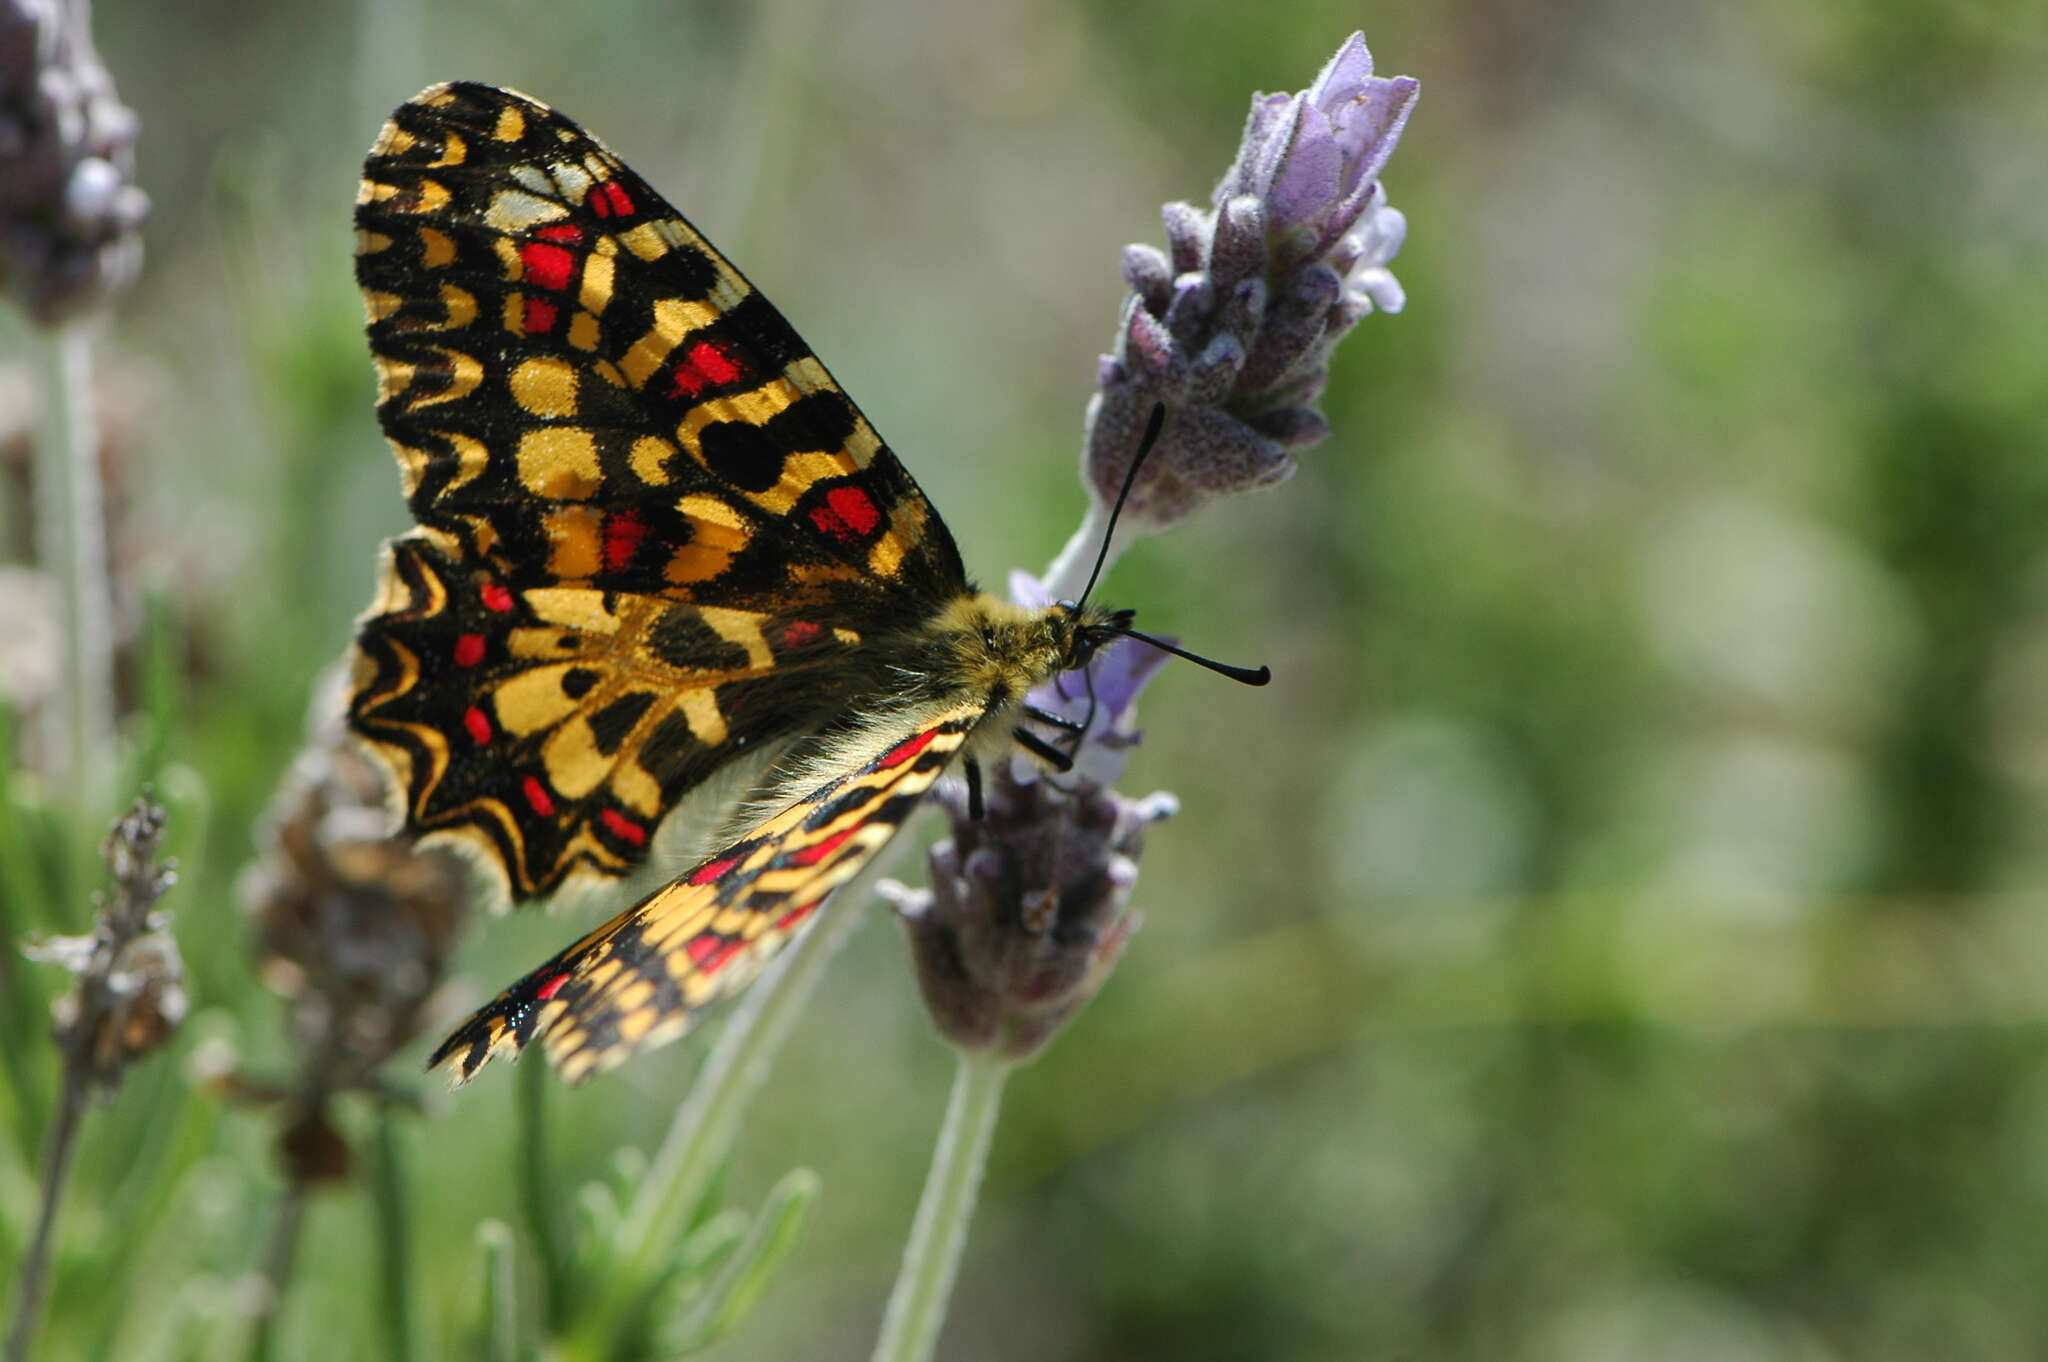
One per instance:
[(353, 927), (130, 994)]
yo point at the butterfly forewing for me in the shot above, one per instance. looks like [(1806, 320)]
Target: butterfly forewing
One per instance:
[(581, 388), (640, 979), (653, 528), (551, 727)]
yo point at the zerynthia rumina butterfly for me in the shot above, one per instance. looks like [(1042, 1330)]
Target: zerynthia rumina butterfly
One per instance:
[(654, 536)]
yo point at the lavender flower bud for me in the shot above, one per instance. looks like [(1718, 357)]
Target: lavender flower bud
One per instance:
[(1232, 325), (1027, 909), (69, 212)]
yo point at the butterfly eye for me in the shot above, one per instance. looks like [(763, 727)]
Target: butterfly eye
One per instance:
[(988, 636)]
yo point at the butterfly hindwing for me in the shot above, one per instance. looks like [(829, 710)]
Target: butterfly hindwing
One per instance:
[(551, 727), (640, 979), (581, 388)]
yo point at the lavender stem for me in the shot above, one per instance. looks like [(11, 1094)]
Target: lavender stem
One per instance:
[(931, 1260), (71, 534)]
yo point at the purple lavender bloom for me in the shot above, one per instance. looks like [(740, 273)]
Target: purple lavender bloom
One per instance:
[(1231, 329), (70, 214), (1103, 695), (1313, 158), (1028, 908), (1028, 905), (1233, 325)]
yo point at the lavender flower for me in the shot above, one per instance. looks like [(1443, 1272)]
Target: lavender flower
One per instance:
[(69, 212), (129, 999), (353, 927), (1232, 330), (1104, 697), (130, 996), (1233, 325), (1028, 905)]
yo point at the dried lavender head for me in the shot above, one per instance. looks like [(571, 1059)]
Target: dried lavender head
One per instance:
[(353, 926), (130, 995), (70, 214), (1232, 326)]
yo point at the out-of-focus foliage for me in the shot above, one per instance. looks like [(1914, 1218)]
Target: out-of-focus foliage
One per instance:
[(1619, 931)]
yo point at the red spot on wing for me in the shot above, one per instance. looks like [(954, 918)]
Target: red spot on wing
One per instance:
[(497, 597), (624, 828), (537, 796), (547, 266), (855, 507), (478, 724), (818, 851), (469, 650), (848, 514), (541, 316), (703, 365), (610, 200), (711, 951), (561, 231), (798, 633), (712, 871), (796, 915), (550, 988), (905, 750), (622, 535)]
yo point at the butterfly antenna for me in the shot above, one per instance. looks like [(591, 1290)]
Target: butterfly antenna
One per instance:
[(1153, 423), (1250, 676)]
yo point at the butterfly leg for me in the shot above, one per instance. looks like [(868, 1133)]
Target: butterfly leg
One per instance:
[(973, 789), (1059, 721), (1044, 751)]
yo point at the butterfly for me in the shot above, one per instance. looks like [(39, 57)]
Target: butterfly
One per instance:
[(654, 538)]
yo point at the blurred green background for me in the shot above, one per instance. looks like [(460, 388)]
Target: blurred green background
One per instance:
[(1619, 931)]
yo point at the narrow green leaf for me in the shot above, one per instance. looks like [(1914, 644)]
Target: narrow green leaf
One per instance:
[(746, 1275), (499, 1327)]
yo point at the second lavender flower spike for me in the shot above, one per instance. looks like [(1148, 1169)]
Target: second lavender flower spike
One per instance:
[(1233, 324)]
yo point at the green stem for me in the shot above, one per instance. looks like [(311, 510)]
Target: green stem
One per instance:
[(280, 1257), (394, 1240), (28, 1296), (22, 897), (501, 1285), (709, 1117), (917, 1306), (538, 1195), (71, 542)]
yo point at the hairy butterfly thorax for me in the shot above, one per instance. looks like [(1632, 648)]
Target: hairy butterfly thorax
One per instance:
[(655, 539)]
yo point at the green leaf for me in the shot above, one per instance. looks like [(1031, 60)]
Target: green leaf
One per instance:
[(499, 1326), (746, 1274)]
